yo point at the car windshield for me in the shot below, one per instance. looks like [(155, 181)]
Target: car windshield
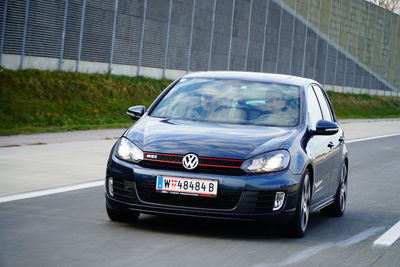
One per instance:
[(231, 101)]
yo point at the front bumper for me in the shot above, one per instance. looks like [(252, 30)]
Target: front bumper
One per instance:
[(241, 197)]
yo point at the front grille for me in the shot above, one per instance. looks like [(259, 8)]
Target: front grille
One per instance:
[(206, 165), (226, 199), (265, 201)]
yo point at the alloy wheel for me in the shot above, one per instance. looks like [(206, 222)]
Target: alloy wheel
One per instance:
[(305, 202), (343, 188)]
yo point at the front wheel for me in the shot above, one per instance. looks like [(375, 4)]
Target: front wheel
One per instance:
[(298, 225), (338, 207)]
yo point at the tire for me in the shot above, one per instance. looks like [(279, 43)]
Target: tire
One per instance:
[(122, 216), (338, 207), (298, 225)]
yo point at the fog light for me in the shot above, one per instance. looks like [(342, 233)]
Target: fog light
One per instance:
[(110, 187), (279, 199)]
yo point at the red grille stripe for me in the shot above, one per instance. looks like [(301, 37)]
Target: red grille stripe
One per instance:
[(176, 155), (163, 161), (221, 159), (221, 166)]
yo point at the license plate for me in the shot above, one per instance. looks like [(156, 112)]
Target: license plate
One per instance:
[(187, 186)]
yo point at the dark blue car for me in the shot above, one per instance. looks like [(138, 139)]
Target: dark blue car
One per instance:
[(231, 145)]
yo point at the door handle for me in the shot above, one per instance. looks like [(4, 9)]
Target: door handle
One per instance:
[(341, 139), (330, 145)]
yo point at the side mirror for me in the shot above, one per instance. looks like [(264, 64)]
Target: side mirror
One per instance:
[(136, 112), (324, 127)]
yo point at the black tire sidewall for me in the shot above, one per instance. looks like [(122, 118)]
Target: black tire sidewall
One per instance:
[(294, 228)]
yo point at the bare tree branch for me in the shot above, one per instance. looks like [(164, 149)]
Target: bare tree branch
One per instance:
[(391, 5)]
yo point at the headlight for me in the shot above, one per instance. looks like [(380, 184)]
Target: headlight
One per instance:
[(268, 162), (126, 150)]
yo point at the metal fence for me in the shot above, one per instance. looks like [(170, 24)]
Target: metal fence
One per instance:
[(186, 35)]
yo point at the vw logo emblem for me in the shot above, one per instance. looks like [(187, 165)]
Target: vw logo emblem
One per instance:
[(190, 161)]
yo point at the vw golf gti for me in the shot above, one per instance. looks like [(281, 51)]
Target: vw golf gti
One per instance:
[(231, 145)]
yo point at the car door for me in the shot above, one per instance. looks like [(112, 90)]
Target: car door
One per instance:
[(335, 141), (318, 149)]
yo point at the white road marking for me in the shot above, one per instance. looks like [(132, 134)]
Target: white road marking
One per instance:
[(371, 138), (311, 251), (360, 237), (389, 237), (98, 183), (50, 191), (304, 254)]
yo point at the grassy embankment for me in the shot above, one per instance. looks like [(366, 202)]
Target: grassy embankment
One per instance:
[(349, 106), (34, 101), (45, 101)]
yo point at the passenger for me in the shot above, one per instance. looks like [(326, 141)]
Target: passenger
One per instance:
[(279, 112)]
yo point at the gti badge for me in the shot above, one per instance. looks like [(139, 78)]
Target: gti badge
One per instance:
[(151, 156), (190, 161)]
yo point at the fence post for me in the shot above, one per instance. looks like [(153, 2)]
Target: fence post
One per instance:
[(21, 62), (337, 50), (141, 38), (248, 35), (113, 36), (398, 60), (371, 75), (316, 42), (231, 35), (292, 44), (305, 40), (191, 37), (387, 61), (347, 46), (265, 37), (354, 77), (357, 46), (370, 81), (3, 31), (212, 35), (81, 35), (327, 41), (366, 40), (63, 36), (279, 37), (167, 41)]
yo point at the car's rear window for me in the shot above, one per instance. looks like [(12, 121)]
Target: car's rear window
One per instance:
[(231, 101)]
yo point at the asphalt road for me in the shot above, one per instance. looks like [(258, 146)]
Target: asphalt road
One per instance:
[(53, 160), (71, 228)]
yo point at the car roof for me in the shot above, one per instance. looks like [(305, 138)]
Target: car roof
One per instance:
[(253, 76)]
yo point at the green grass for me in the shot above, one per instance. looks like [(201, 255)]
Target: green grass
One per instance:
[(348, 106), (33, 101), (42, 101)]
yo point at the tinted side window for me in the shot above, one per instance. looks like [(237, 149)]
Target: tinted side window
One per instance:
[(326, 111), (314, 112)]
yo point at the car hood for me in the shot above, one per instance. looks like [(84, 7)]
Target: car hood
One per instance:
[(206, 139)]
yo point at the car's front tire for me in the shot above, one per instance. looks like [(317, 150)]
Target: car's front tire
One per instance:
[(122, 216), (298, 225), (338, 207)]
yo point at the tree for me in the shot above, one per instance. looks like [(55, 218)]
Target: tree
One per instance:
[(391, 5)]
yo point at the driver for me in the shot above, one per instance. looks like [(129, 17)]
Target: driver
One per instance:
[(206, 107)]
